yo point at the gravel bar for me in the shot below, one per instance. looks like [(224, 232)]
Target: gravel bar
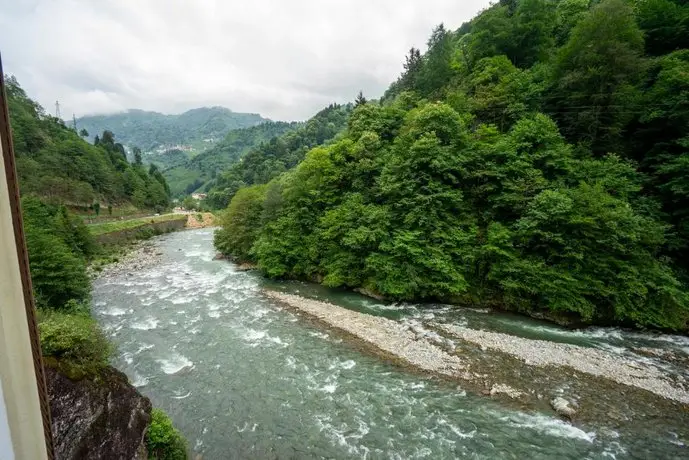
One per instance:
[(587, 360), (384, 334), (145, 254)]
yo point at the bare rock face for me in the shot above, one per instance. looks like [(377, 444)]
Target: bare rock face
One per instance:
[(105, 418)]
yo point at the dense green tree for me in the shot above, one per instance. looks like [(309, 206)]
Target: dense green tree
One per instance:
[(58, 270), (412, 66), (279, 154), (360, 99), (661, 144), (437, 63), (581, 250), (458, 186), (500, 92), (567, 14), (594, 93), (665, 24), (137, 155), (57, 165), (241, 223)]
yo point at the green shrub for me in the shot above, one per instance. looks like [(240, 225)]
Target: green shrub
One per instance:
[(163, 440), (73, 342), (56, 256), (145, 233)]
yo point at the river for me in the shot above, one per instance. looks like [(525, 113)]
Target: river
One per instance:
[(244, 378)]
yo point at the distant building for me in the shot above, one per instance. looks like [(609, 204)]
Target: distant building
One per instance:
[(199, 196)]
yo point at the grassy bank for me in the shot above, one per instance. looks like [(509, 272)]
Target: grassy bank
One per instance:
[(119, 225)]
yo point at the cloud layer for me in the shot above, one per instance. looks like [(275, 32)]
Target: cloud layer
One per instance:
[(285, 59)]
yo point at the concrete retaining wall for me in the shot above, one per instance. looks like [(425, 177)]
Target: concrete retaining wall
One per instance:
[(142, 231)]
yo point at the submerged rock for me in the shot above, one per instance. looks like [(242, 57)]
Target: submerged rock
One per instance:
[(563, 407), (103, 418)]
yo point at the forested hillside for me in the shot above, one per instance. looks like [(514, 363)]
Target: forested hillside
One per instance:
[(191, 174), (536, 159), (58, 171), (197, 128), (271, 158), (61, 168)]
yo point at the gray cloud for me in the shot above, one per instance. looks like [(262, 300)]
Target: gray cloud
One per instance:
[(283, 59)]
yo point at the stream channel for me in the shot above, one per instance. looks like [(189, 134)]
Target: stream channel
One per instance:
[(243, 377)]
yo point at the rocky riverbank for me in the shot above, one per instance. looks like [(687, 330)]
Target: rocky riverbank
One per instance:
[(583, 359), (576, 382), (386, 335), (128, 259), (200, 220)]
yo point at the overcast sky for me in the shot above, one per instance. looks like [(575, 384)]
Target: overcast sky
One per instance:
[(284, 59)]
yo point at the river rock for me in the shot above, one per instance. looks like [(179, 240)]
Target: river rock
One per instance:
[(500, 388), (563, 407), (104, 418), (370, 293), (245, 267)]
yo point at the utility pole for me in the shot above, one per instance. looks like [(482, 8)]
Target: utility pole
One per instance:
[(57, 109)]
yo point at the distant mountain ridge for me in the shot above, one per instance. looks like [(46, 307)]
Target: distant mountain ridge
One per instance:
[(188, 175), (196, 129)]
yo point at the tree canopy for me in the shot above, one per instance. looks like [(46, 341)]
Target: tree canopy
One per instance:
[(57, 165), (535, 159)]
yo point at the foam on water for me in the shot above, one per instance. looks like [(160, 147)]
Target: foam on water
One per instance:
[(547, 425), (329, 387), (291, 362), (320, 335), (144, 347), (259, 337), (182, 300), (114, 311), (139, 380), (459, 433), (175, 363), (146, 324), (337, 364), (343, 436)]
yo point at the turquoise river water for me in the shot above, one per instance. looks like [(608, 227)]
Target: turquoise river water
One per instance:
[(244, 378)]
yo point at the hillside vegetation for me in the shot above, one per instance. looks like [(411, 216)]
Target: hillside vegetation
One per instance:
[(59, 167), (270, 159), (197, 128), (59, 170), (536, 159), (189, 175)]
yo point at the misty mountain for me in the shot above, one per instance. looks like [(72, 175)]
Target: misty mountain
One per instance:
[(193, 131)]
